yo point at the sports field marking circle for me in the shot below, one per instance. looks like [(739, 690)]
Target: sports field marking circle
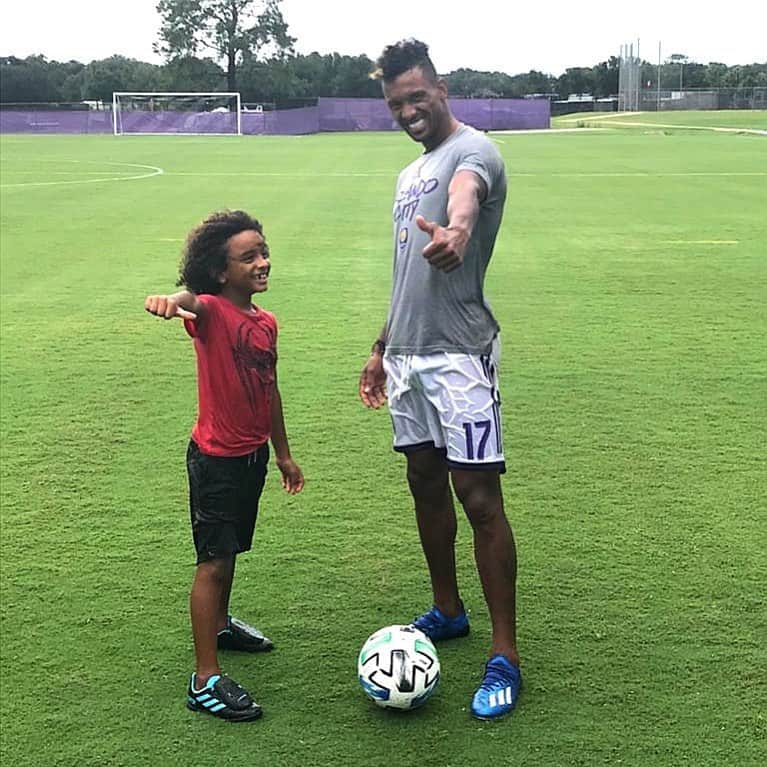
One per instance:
[(154, 171)]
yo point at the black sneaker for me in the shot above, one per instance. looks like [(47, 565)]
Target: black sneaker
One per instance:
[(240, 636), (222, 697)]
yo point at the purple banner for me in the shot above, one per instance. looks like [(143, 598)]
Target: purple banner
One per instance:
[(55, 122), (502, 114), (283, 122), (354, 115), (330, 115), (168, 121), (483, 114)]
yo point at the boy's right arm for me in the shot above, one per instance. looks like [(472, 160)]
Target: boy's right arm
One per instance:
[(183, 304)]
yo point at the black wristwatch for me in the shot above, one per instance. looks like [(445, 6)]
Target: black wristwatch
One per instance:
[(379, 346)]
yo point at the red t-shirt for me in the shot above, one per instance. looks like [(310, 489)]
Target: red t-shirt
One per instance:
[(236, 358)]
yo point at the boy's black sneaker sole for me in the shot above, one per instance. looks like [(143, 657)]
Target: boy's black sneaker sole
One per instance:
[(249, 715), (223, 698)]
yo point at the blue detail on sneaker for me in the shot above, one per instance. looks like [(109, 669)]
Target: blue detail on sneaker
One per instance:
[(222, 697), (499, 691), (437, 626)]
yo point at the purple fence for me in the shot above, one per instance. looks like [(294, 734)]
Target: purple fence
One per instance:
[(282, 122), (328, 116), (17, 121), (502, 114), (483, 114), (354, 115), (178, 122)]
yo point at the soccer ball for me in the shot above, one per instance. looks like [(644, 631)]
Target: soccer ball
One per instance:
[(398, 667)]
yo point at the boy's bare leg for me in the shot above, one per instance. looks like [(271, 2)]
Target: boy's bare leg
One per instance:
[(223, 611), (210, 582)]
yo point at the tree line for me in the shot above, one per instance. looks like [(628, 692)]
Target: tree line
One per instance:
[(245, 46), (37, 80)]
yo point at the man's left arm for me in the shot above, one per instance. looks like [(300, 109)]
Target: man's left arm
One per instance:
[(447, 248)]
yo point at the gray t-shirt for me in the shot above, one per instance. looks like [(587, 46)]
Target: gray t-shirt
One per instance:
[(433, 311)]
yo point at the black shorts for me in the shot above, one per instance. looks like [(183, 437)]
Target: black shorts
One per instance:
[(223, 500)]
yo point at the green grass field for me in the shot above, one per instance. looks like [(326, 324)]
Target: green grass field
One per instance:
[(630, 280), (743, 119)]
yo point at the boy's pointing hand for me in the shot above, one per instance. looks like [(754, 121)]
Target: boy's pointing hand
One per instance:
[(167, 307)]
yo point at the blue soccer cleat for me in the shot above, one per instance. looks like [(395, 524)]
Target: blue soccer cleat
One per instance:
[(437, 626), (499, 691)]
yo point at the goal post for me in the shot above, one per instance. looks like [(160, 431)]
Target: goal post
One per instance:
[(176, 113)]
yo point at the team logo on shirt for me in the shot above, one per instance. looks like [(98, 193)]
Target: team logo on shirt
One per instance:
[(403, 236), (408, 198)]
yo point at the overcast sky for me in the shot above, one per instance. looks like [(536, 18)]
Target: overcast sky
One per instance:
[(502, 35)]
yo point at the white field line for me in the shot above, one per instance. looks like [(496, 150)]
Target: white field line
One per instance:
[(700, 242), (714, 128), (30, 172), (616, 119), (662, 242), (606, 116), (641, 174), (288, 174), (547, 131), (376, 174), (154, 172)]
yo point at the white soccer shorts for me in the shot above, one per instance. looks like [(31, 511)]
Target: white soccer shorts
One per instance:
[(449, 401)]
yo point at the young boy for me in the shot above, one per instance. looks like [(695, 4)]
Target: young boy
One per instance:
[(226, 261)]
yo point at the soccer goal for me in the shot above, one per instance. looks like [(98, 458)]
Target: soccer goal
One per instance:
[(180, 114)]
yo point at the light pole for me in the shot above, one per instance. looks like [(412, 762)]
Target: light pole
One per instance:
[(681, 59), (657, 103)]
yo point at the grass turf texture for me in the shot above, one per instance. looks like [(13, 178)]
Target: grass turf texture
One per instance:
[(629, 279), (744, 119)]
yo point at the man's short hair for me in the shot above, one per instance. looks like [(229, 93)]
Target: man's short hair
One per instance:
[(403, 56)]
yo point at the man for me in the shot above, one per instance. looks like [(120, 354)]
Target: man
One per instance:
[(437, 357)]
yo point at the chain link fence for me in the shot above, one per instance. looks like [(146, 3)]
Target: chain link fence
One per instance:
[(652, 100), (708, 98)]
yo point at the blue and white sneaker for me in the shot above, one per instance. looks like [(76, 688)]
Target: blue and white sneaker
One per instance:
[(222, 697), (437, 626), (499, 691)]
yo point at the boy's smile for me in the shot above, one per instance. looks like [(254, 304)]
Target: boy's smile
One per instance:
[(247, 266)]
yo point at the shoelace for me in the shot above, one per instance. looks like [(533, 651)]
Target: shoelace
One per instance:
[(244, 629), (495, 677), (428, 620), (230, 687)]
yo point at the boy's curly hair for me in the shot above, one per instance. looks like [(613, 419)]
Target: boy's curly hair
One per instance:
[(402, 56), (206, 251)]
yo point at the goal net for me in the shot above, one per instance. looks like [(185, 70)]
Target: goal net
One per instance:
[(191, 114)]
